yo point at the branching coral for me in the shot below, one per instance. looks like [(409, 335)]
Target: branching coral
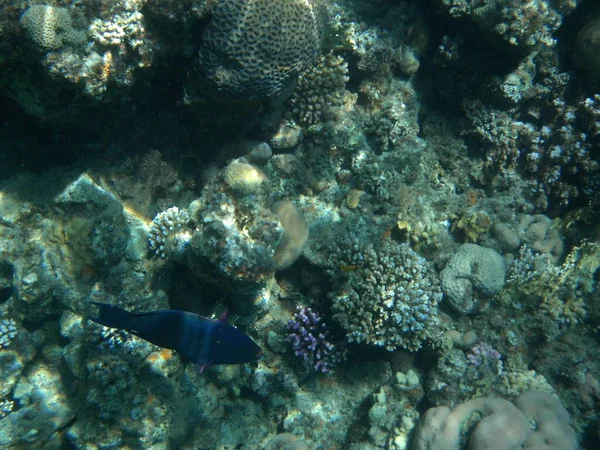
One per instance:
[(168, 234), (387, 296), (309, 336), (320, 89), (559, 291)]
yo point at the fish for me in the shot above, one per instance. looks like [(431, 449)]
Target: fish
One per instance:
[(196, 338)]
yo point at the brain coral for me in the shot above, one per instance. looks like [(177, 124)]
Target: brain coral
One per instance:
[(587, 47), (50, 28), (536, 420), (472, 269), (253, 49)]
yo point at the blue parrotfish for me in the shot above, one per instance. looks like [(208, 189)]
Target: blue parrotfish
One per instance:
[(199, 339)]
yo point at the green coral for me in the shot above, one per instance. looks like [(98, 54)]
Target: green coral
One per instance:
[(560, 291)]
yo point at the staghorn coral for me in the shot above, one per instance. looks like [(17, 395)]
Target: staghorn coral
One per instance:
[(123, 27), (393, 108), (6, 407), (387, 295), (558, 292), (483, 355), (554, 144), (522, 24), (253, 50), (50, 28), (8, 331)]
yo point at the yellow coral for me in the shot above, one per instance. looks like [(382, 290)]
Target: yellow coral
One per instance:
[(243, 177), (472, 225), (353, 198), (562, 290), (50, 28), (295, 234)]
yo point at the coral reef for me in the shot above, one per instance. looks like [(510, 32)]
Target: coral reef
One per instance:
[(295, 234), (440, 427), (388, 296), (472, 272), (485, 354), (309, 337), (168, 233), (397, 200), (320, 90), (521, 24), (50, 27), (254, 50), (243, 177)]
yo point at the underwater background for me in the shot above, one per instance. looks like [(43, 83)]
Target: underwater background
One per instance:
[(398, 201)]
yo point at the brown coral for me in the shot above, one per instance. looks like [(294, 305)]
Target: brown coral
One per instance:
[(253, 50), (294, 237)]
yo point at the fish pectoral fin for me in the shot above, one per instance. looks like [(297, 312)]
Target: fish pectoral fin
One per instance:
[(202, 365)]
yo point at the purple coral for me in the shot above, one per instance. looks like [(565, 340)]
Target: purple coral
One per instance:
[(309, 338), (485, 354)]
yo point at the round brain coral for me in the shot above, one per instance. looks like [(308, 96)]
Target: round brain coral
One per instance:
[(472, 270), (587, 47), (535, 420), (50, 28), (254, 49)]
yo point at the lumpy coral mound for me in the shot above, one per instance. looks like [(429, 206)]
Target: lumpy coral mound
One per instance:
[(253, 50)]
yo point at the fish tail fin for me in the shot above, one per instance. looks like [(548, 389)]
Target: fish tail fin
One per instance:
[(112, 316)]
